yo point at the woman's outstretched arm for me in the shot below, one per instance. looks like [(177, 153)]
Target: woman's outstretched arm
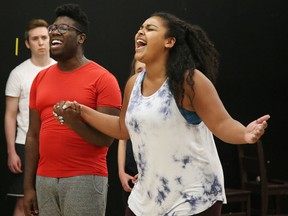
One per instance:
[(111, 125)]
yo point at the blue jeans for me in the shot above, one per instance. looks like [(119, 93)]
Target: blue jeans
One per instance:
[(73, 196)]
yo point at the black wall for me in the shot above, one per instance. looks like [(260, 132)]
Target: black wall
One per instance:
[(250, 35)]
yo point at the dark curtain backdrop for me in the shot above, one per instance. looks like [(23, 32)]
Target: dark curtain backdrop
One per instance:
[(250, 35)]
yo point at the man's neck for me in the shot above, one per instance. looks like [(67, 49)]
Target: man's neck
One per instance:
[(41, 61)]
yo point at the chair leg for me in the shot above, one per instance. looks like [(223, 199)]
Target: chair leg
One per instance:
[(278, 204), (264, 205), (248, 206)]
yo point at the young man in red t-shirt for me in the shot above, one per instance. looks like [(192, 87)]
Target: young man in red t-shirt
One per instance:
[(66, 170)]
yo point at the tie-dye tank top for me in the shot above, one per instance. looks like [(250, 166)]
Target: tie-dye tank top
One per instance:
[(179, 169)]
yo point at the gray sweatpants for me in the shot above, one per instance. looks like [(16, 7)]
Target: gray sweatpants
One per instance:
[(73, 196)]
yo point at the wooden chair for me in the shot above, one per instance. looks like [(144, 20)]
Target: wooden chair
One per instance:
[(254, 178), (239, 197)]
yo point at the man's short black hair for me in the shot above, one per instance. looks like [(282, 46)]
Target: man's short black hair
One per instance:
[(74, 12)]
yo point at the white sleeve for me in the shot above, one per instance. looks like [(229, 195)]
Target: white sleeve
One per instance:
[(13, 85)]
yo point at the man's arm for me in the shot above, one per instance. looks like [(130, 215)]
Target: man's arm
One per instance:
[(31, 163), (12, 105), (90, 134)]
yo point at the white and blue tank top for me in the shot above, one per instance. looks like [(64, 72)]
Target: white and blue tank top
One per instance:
[(179, 169)]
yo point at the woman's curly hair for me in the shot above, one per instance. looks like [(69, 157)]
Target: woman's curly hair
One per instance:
[(192, 50)]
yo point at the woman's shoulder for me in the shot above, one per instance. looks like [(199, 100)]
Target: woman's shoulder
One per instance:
[(131, 81), (199, 79)]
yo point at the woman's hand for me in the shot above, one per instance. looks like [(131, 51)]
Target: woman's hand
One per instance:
[(65, 112), (125, 179), (256, 129)]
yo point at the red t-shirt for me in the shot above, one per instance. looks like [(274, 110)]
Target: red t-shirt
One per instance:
[(64, 153)]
